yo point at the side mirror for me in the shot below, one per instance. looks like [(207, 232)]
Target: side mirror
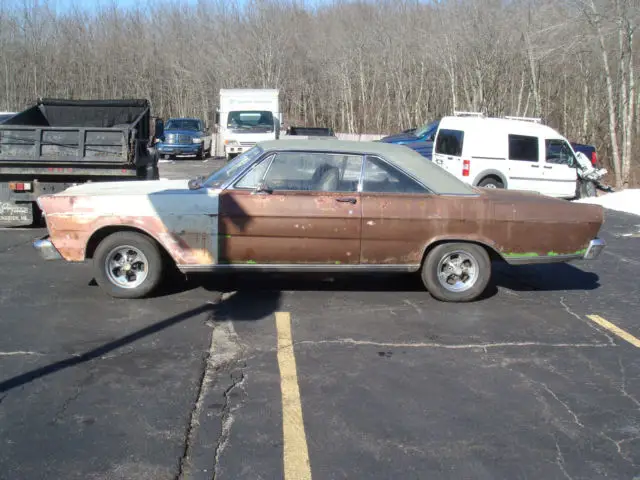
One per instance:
[(217, 119), (196, 183), (159, 130), (262, 187)]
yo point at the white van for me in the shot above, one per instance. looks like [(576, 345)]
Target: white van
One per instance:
[(513, 153)]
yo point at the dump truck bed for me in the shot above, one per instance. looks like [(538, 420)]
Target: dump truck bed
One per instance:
[(78, 133)]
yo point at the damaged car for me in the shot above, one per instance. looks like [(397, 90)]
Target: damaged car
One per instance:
[(314, 206)]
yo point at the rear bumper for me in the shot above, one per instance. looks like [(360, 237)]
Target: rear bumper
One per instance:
[(46, 249), (595, 248)]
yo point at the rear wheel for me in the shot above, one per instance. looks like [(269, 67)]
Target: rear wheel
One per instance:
[(491, 182), (128, 265), (456, 272)]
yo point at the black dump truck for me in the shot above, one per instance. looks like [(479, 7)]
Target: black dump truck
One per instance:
[(59, 143)]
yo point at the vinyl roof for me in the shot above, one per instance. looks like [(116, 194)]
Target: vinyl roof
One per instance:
[(434, 177)]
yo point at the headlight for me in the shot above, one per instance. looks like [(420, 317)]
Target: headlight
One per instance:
[(232, 143), (197, 139)]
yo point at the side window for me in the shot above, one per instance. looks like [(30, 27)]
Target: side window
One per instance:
[(380, 177), (449, 142), (559, 152), (523, 148), (314, 171), (254, 175)]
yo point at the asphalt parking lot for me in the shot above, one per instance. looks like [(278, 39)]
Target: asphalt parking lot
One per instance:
[(264, 377)]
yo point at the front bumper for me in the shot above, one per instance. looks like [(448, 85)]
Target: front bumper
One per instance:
[(46, 249), (175, 149), (595, 248)]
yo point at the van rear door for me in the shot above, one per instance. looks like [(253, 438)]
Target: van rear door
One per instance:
[(448, 152)]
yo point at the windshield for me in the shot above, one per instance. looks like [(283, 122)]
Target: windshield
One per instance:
[(231, 169), (250, 119), (428, 129), (183, 124)]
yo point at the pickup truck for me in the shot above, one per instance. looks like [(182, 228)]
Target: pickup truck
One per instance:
[(59, 143), (588, 150), (184, 136), (419, 139)]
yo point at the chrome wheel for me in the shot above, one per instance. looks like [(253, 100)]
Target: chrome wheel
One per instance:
[(458, 271), (126, 266), (490, 185)]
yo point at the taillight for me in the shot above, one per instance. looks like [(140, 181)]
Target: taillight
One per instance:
[(20, 186), (594, 158), (466, 166)]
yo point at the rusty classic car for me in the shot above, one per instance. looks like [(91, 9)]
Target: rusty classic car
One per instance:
[(314, 205)]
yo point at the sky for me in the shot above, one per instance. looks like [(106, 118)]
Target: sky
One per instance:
[(62, 6)]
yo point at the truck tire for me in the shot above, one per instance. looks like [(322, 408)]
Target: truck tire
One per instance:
[(456, 272), (128, 265), (491, 182)]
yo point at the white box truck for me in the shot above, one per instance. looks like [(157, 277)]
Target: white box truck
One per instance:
[(246, 117)]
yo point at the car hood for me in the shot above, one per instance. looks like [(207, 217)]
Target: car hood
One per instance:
[(399, 137), (129, 188)]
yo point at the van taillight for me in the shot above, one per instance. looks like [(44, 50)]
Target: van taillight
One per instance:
[(466, 166), (594, 158)]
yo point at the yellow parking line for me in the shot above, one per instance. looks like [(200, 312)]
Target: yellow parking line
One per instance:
[(615, 329), (296, 455)]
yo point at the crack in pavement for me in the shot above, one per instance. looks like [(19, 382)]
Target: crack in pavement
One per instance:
[(227, 417), (576, 419), (467, 346), (560, 461), (224, 350), (590, 324), (623, 386), (78, 390), (20, 352)]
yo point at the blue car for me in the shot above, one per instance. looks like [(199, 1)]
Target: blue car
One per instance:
[(419, 139), (184, 136)]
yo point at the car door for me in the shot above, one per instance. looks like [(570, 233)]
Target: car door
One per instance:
[(392, 202), (294, 208), (524, 163), (559, 169)]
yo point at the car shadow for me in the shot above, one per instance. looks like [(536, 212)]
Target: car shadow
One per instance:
[(243, 305), (549, 277), (545, 277)]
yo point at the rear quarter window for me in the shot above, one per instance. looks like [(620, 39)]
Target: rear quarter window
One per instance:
[(449, 142)]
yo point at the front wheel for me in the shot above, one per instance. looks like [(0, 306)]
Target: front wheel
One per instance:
[(128, 265), (456, 272)]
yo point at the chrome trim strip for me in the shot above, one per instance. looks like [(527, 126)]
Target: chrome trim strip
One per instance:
[(525, 260), (300, 268)]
